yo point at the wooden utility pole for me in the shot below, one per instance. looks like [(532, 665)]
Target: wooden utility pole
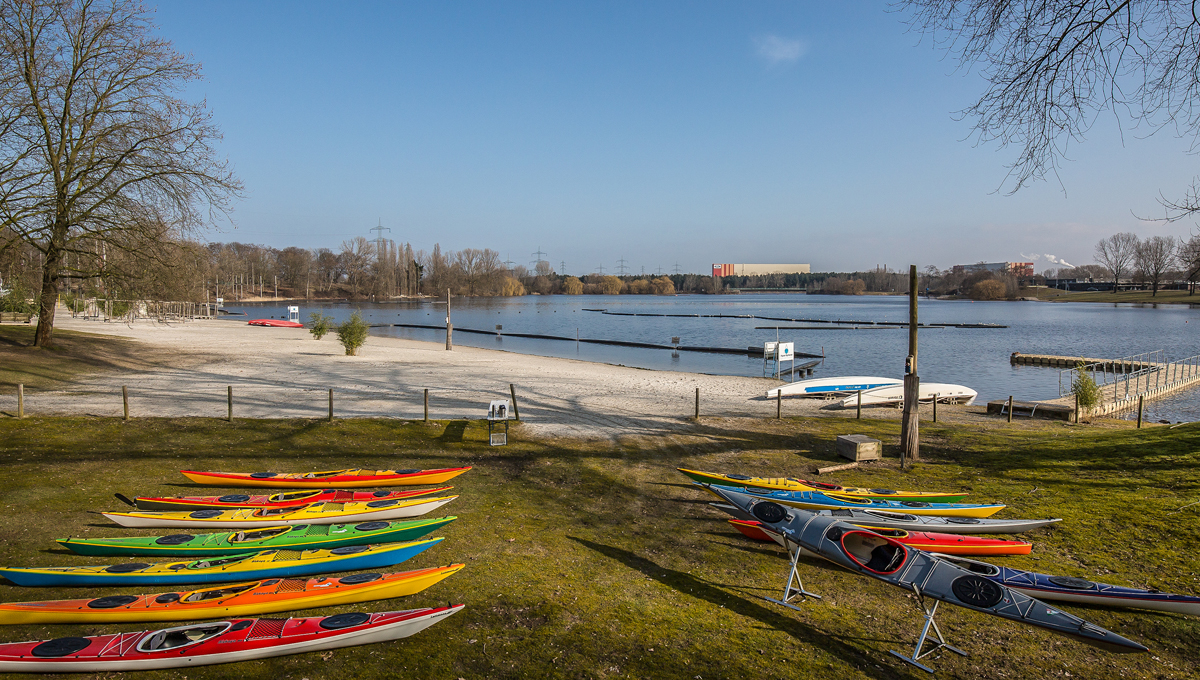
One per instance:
[(910, 442)]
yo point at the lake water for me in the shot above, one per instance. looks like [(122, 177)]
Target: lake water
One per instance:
[(975, 357)]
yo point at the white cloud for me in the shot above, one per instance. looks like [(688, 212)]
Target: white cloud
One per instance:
[(777, 50)]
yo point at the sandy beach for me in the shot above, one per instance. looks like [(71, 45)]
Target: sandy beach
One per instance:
[(285, 373)]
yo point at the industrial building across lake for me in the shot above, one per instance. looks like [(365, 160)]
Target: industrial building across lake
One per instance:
[(757, 269)]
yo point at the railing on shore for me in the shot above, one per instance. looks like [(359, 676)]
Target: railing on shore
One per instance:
[(1123, 381), (102, 309)]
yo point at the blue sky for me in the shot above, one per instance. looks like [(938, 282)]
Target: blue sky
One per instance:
[(663, 133)]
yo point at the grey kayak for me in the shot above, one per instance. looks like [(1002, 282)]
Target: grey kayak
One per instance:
[(899, 520), (917, 571)]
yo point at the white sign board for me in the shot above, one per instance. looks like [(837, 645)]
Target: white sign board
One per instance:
[(785, 351), (769, 349), (294, 313), (499, 409), (220, 300)]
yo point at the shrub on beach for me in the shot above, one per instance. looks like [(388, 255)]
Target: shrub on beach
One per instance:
[(353, 333), (1084, 387), (319, 324)]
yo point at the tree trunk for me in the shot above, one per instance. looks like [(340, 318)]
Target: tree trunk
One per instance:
[(48, 300)]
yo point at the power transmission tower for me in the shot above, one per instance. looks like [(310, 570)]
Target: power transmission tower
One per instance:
[(562, 268), (602, 269), (621, 268), (660, 271), (643, 270), (379, 238), (676, 267), (508, 264), (538, 255)]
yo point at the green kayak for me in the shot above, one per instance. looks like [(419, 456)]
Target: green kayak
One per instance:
[(300, 537)]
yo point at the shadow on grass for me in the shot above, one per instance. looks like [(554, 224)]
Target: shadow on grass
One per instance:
[(686, 583), (455, 430)]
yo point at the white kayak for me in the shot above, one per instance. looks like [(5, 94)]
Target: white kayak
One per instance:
[(315, 513), (819, 387), (893, 394)]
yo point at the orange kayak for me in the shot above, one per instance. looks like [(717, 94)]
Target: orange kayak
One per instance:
[(239, 599), (354, 479), (947, 544)]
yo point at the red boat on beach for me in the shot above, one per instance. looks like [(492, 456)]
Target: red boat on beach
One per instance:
[(277, 323), (947, 544)]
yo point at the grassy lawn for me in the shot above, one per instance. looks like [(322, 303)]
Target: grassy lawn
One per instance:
[(1124, 296), (589, 560), (73, 355)]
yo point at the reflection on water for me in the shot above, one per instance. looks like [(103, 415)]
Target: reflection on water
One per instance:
[(978, 358)]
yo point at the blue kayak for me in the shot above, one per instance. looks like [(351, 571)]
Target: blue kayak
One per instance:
[(816, 500), (263, 565)]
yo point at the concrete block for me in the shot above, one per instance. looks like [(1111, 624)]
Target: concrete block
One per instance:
[(858, 447)]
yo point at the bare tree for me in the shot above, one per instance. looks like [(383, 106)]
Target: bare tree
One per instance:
[(1053, 66), (1188, 254), (1117, 254), (1155, 255), (356, 257), (95, 146)]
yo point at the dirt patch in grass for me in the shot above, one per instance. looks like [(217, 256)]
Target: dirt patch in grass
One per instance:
[(599, 560)]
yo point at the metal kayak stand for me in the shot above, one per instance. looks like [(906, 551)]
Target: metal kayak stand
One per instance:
[(788, 591), (939, 643)]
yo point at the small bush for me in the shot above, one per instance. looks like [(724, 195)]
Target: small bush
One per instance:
[(989, 290), (1084, 387), (319, 324), (572, 286), (18, 300), (353, 333)]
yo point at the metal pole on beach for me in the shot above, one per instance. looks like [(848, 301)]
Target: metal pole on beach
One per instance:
[(449, 326), (779, 405)]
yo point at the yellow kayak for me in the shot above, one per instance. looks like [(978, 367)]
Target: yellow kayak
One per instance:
[(794, 484)]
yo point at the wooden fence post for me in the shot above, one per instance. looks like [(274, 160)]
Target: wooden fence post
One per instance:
[(1076, 408), (125, 400), (779, 405), (20, 401), (935, 400), (331, 404), (1010, 408), (229, 393), (1141, 405), (427, 404), (512, 391), (697, 403), (858, 408)]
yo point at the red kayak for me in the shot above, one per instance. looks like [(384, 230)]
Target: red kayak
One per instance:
[(289, 499), (215, 642), (947, 544), (277, 323)]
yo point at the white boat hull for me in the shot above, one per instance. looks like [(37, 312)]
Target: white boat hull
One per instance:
[(820, 387), (893, 394), (150, 520)]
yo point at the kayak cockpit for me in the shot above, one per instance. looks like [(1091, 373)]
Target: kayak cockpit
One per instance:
[(259, 535), (274, 512), (981, 568), (218, 593), (873, 552), (851, 500), (331, 473), (210, 564), (184, 636), (292, 496)]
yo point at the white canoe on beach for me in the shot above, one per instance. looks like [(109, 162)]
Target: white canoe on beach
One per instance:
[(818, 387), (892, 394)]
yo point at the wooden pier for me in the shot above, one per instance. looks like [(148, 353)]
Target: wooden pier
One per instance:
[(1123, 383)]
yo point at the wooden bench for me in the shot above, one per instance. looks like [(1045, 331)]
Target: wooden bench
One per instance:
[(15, 317)]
